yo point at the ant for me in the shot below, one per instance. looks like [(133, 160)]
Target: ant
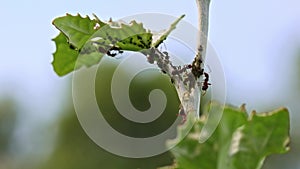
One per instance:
[(167, 57), (113, 51), (172, 81), (197, 69), (205, 83), (72, 47)]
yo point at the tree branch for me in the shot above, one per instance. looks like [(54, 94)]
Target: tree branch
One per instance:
[(203, 16)]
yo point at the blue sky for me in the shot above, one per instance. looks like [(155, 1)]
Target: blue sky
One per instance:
[(253, 38), (256, 40)]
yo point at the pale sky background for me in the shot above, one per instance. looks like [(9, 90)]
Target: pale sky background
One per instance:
[(257, 41)]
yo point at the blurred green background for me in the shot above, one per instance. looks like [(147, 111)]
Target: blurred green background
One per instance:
[(258, 43)]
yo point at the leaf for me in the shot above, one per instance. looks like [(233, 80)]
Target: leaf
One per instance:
[(76, 28), (83, 42), (167, 32), (131, 37), (263, 135), (120, 36), (237, 143), (64, 57), (75, 31), (232, 119)]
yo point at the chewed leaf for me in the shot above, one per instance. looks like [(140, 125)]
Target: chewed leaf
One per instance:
[(83, 41), (76, 28), (262, 135), (65, 56), (136, 42), (131, 37)]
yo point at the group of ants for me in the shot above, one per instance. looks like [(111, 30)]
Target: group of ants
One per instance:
[(196, 69)]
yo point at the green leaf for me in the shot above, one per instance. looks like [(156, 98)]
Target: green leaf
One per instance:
[(75, 31), (232, 119), (83, 42), (64, 57), (167, 32), (76, 28), (192, 155), (237, 143), (263, 135), (131, 37)]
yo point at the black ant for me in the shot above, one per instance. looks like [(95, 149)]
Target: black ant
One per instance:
[(167, 57), (172, 80), (72, 47), (197, 69), (205, 83), (113, 51)]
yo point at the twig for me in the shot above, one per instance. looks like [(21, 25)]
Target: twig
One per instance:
[(203, 14)]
